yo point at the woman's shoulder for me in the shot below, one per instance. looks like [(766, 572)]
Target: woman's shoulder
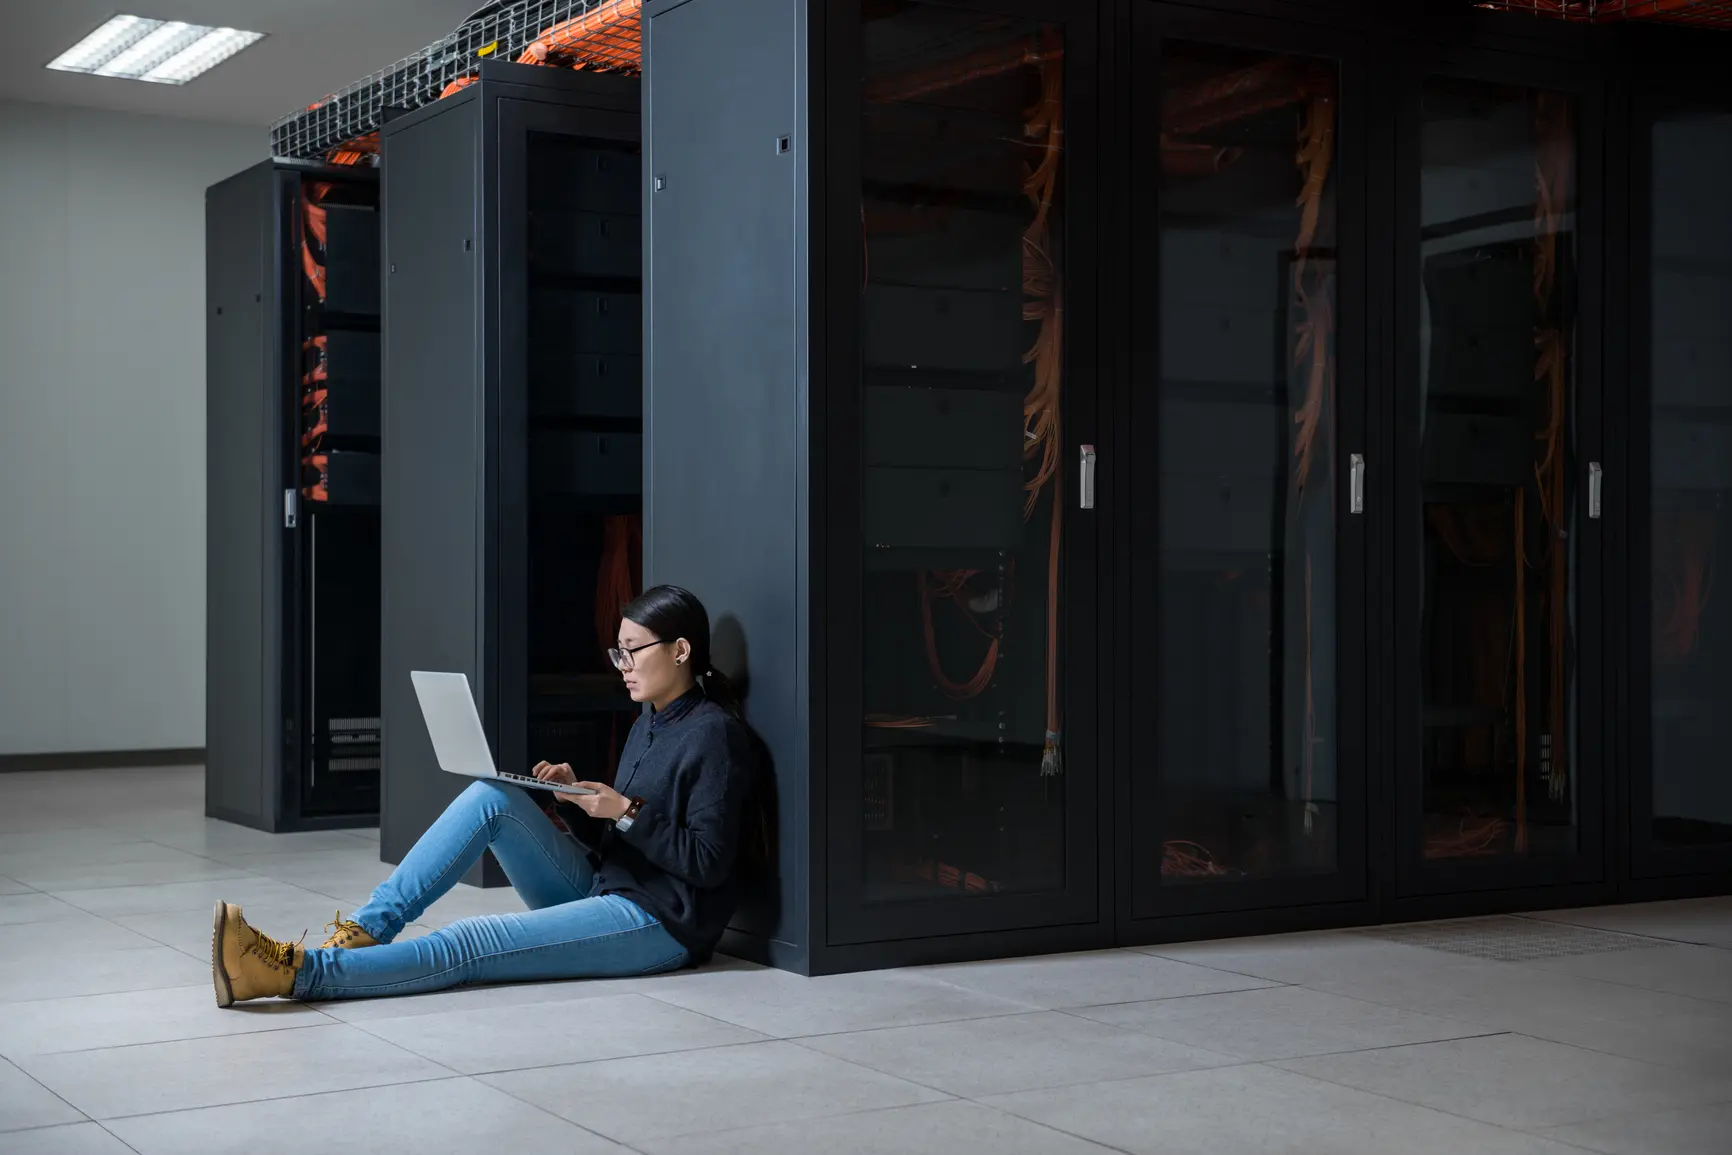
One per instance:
[(720, 729), (710, 717)]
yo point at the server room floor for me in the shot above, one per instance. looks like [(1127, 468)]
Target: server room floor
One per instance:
[(1604, 1030)]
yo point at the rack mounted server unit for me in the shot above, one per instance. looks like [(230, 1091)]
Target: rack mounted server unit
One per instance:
[(293, 395)]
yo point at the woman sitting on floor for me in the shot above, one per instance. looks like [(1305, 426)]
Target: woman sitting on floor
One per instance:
[(644, 883)]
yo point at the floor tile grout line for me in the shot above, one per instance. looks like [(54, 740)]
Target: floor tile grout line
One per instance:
[(1496, 1029), (82, 1117), (1680, 1070), (585, 1062), (109, 991), (602, 1135), (1480, 1031), (1221, 969), (1644, 1113), (1101, 1143), (276, 1098), (1275, 1064), (743, 1027), (117, 1138), (1268, 985), (184, 1039), (396, 1046), (1276, 986), (1265, 984), (1236, 1062), (1531, 964), (1027, 1090)]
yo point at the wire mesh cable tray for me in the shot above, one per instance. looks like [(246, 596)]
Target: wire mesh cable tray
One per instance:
[(497, 32)]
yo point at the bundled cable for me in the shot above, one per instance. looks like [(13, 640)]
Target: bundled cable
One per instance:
[(1683, 579), (313, 231), (1314, 353), (319, 490), (606, 38), (1181, 858), (619, 579), (1553, 170), (952, 586), (1043, 430)]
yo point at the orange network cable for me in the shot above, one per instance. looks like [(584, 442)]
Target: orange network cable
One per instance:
[(1043, 429), (313, 229), (1313, 352), (1182, 858), (1521, 673), (1683, 579), (606, 37), (953, 586), (1553, 178), (1476, 835), (318, 491), (618, 579)]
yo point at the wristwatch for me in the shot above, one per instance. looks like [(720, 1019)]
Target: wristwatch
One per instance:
[(624, 821)]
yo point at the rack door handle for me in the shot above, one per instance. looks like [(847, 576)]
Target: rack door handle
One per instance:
[(1596, 487), (1086, 491), (1356, 484)]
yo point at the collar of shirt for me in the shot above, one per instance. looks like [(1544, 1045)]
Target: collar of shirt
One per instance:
[(677, 709)]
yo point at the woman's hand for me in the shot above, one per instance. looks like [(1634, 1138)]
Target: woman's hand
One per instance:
[(549, 772), (606, 803)]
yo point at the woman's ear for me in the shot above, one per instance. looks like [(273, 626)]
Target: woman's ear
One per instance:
[(682, 652)]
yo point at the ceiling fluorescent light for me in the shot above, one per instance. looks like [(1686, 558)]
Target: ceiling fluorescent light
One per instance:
[(162, 52), (160, 43), (104, 44), (204, 54)]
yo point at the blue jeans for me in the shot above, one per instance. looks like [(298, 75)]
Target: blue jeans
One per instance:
[(568, 932)]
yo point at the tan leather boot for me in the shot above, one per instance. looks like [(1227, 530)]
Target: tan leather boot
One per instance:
[(346, 935), (245, 964)]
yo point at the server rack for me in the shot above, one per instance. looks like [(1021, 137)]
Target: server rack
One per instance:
[(513, 404), (293, 497), (866, 407), (1247, 735)]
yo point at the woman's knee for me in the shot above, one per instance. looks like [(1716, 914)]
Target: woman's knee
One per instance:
[(492, 798)]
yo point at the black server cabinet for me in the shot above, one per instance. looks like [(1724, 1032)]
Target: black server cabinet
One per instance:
[(512, 400), (1668, 478), (293, 441), (868, 238)]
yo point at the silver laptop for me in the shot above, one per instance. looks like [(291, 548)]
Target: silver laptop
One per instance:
[(459, 742)]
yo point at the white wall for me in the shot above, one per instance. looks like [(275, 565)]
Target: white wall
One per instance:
[(102, 425)]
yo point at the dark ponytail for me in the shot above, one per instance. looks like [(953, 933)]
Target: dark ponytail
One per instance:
[(670, 612)]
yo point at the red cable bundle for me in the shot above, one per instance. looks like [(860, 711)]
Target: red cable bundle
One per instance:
[(952, 585), (314, 231), (1683, 579), (620, 578)]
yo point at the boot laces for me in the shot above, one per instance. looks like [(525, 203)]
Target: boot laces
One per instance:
[(341, 928), (279, 955)]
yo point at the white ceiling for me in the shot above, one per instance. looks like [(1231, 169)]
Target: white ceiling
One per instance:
[(311, 47)]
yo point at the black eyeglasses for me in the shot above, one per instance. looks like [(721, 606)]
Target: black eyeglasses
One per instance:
[(625, 661)]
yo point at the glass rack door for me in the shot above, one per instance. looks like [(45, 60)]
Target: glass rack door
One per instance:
[(972, 804), (1494, 419), (1681, 518), (1246, 617)]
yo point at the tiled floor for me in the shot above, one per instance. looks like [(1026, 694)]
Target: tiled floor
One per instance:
[(1315, 1044)]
